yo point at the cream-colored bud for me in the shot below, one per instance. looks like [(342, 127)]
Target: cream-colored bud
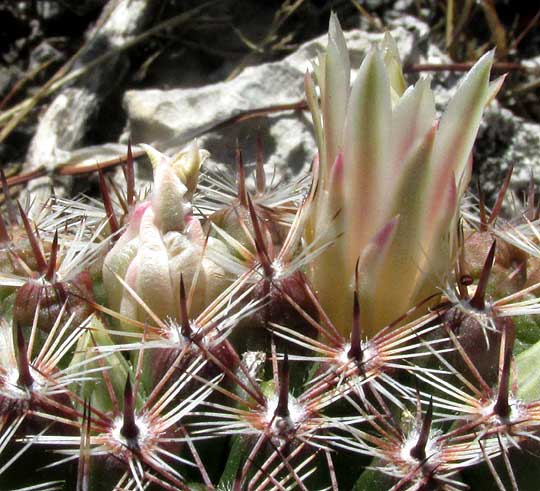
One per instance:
[(186, 163)]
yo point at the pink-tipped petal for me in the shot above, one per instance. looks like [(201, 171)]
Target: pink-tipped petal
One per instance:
[(336, 93), (366, 153), (459, 124)]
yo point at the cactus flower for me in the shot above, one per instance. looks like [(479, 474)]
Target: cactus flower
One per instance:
[(162, 241), (389, 179)]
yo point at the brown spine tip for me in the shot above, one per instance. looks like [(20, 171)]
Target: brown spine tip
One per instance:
[(478, 301), (260, 244), (531, 207), (34, 243), (282, 408), (51, 270), (184, 317), (12, 213), (419, 450), (83, 470), (460, 263), (107, 203), (4, 235), (129, 429), (502, 406), (355, 352), (497, 207), (241, 176), (25, 377), (482, 208)]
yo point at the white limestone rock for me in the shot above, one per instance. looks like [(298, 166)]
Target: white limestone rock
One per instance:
[(168, 119)]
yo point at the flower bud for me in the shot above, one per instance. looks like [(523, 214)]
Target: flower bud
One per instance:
[(163, 241)]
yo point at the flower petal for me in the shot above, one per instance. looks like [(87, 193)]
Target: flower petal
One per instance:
[(459, 124), (365, 153), (336, 93)]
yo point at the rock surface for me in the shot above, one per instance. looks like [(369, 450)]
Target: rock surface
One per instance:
[(170, 118), (505, 139), (65, 122), (67, 119)]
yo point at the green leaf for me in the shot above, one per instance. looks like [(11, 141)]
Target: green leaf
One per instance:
[(528, 373), (238, 454), (373, 480), (114, 364)]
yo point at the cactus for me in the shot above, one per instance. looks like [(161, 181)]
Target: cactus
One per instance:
[(357, 329)]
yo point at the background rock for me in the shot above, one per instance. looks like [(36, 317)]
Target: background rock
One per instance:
[(68, 117), (171, 118), (505, 139)]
